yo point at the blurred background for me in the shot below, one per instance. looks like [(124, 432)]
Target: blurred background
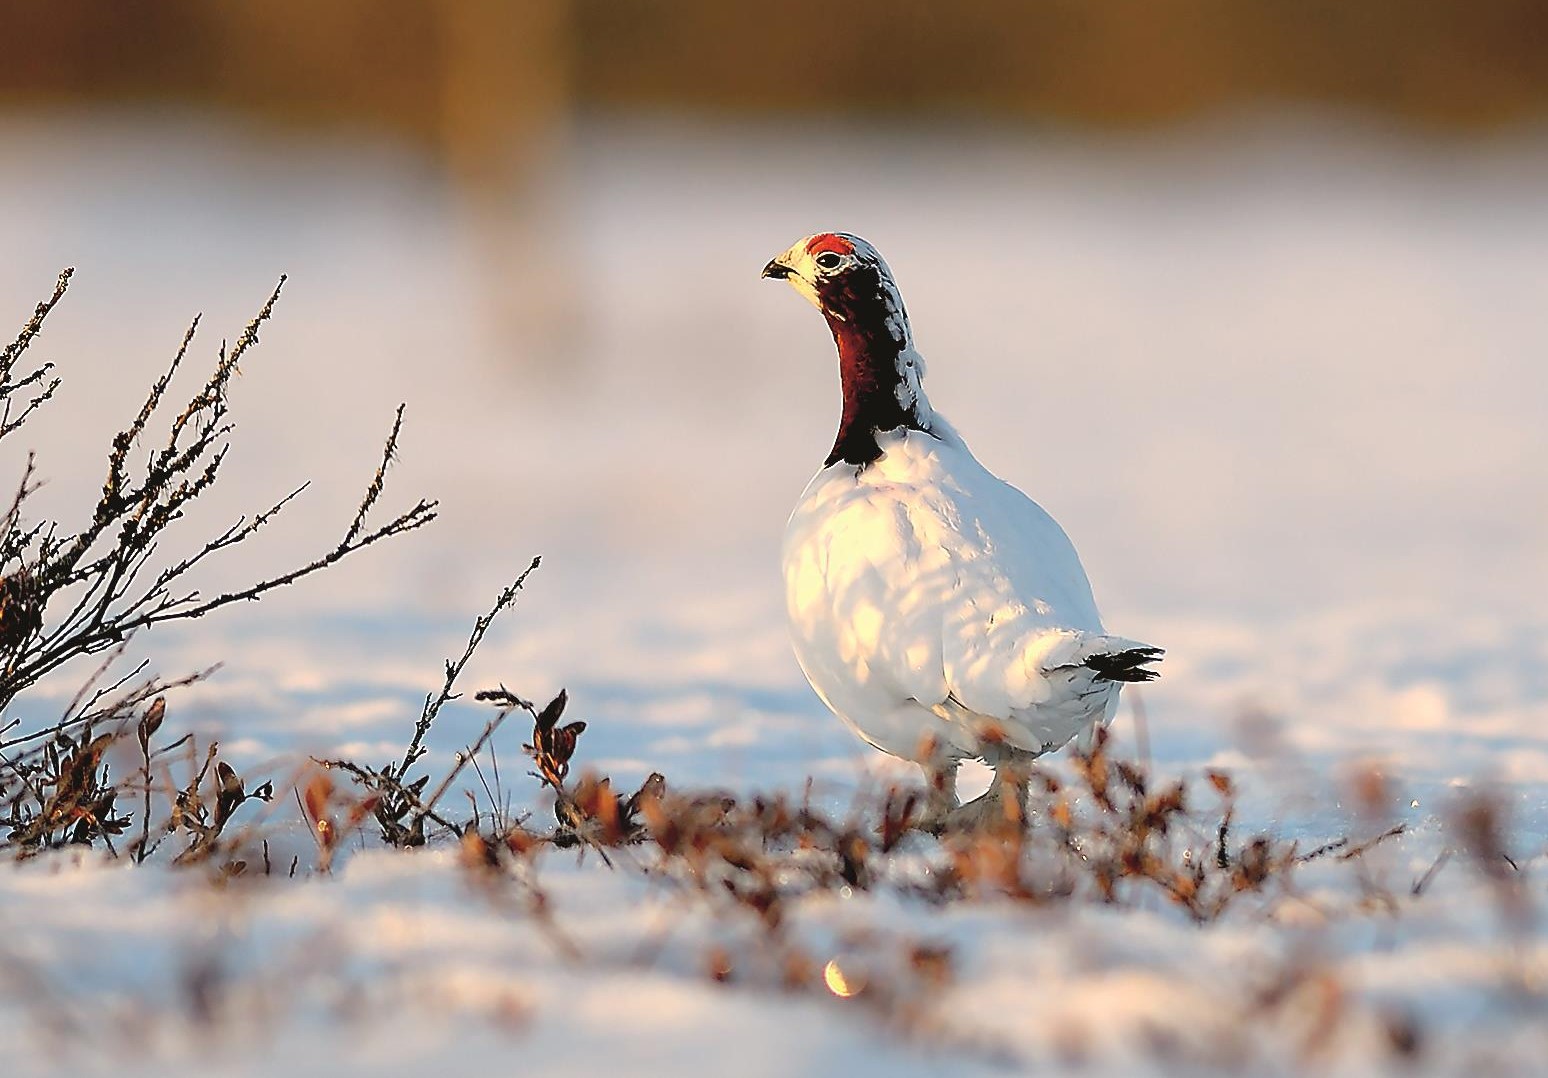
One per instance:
[(474, 83), (1250, 296)]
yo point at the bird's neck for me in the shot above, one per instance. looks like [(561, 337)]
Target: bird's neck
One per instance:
[(881, 375)]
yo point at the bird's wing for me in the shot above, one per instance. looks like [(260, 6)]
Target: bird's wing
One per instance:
[(1022, 642)]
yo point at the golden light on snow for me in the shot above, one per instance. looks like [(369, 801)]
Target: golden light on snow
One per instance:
[(838, 982)]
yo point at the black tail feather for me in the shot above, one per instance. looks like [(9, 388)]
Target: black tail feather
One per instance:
[(1126, 665)]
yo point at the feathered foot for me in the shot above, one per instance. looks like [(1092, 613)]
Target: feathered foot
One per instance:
[(940, 796), (1003, 805)]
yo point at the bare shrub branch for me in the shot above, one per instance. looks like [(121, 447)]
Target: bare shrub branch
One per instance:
[(81, 593), (67, 593), (401, 810)]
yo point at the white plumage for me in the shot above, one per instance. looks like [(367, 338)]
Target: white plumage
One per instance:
[(930, 601), (927, 596)]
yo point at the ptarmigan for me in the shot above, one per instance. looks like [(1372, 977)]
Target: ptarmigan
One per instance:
[(935, 608)]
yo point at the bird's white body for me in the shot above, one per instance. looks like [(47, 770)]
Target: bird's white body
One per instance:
[(929, 599), (935, 608)]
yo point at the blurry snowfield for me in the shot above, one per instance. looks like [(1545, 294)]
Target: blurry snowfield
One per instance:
[(1302, 444)]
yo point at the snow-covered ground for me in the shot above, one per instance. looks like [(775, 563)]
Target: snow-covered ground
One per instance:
[(1312, 466)]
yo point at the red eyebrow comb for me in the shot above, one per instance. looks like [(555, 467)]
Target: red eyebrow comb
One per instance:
[(828, 241)]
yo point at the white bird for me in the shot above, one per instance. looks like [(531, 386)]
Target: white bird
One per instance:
[(936, 609)]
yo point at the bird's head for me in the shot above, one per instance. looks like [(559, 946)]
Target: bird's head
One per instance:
[(848, 282), (845, 278)]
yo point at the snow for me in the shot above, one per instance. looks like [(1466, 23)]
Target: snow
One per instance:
[(398, 961), (1311, 469)]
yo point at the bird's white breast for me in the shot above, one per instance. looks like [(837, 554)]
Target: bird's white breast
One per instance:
[(926, 596)]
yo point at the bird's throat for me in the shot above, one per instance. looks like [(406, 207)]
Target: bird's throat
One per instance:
[(875, 362)]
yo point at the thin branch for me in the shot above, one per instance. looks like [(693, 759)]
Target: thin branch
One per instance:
[(374, 491), (34, 326), (463, 757), (433, 704)]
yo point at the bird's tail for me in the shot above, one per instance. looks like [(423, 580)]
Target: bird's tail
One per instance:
[(1131, 664)]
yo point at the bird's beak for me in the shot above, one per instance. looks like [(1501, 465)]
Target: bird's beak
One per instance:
[(776, 269)]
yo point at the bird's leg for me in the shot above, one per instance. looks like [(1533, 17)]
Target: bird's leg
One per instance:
[(939, 764), (1004, 804), (940, 794)]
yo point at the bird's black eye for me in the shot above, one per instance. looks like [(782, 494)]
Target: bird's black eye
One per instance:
[(829, 261)]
